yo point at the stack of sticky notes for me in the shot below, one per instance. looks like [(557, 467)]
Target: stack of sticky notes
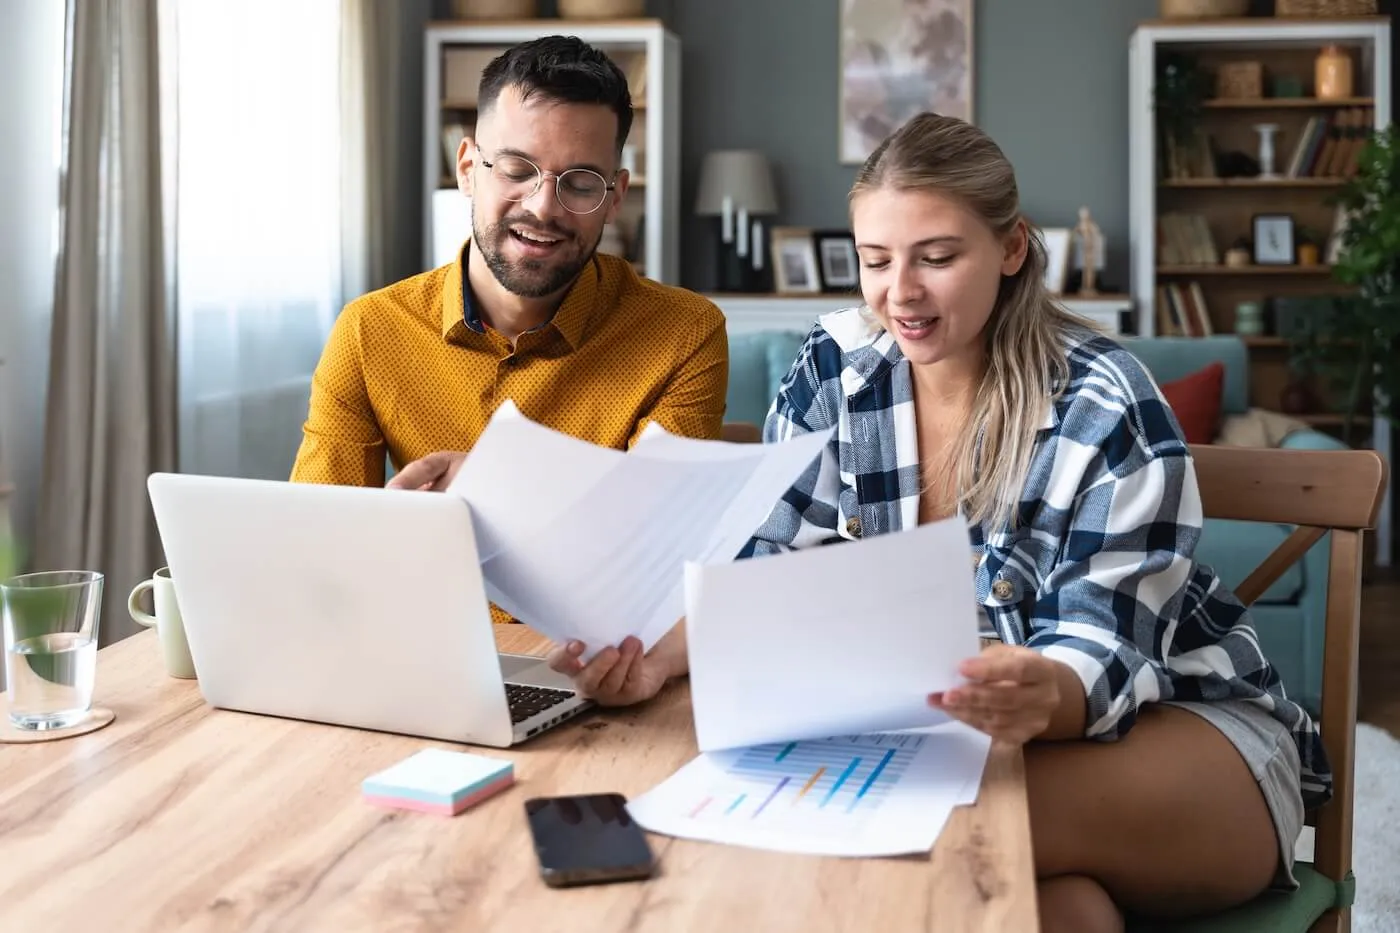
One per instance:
[(438, 781)]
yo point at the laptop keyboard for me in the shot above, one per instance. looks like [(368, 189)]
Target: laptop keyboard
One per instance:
[(526, 701)]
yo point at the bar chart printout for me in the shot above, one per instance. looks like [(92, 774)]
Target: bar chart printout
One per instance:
[(886, 793)]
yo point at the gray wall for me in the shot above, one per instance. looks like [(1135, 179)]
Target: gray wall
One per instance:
[(763, 74)]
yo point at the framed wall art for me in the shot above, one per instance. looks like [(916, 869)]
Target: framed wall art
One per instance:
[(795, 270), (900, 58), (837, 260)]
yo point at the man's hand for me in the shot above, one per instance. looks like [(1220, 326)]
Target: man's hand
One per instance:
[(622, 675), (433, 472), (1013, 693)]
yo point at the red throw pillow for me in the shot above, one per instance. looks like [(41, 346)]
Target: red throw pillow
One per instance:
[(1196, 401)]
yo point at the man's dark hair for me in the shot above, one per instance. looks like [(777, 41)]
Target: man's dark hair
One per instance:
[(560, 68)]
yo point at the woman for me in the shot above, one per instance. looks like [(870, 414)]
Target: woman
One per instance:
[(1166, 770)]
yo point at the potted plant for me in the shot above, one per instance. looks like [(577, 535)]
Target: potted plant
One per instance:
[(1179, 93), (1309, 246), (1359, 345)]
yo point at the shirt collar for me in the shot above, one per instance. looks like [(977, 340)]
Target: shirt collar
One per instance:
[(589, 291)]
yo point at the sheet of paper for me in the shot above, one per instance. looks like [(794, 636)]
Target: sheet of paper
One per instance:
[(611, 564), (834, 640), (512, 478), (857, 795)]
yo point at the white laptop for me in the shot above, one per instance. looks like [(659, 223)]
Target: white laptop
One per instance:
[(346, 605)]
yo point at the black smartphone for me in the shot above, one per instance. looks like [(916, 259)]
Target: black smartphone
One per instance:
[(587, 839)]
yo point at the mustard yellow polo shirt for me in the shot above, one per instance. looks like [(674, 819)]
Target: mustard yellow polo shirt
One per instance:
[(409, 369)]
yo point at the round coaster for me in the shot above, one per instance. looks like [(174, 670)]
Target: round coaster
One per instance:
[(96, 718)]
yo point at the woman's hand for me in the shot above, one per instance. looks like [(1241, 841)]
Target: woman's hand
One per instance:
[(1012, 693), (622, 675)]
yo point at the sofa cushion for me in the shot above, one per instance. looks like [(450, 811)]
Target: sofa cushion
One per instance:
[(758, 362), (1170, 358), (1195, 400), (1235, 548)]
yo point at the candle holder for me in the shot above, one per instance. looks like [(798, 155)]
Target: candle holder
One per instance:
[(1266, 133)]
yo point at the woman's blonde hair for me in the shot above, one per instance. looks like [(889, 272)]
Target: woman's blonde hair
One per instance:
[(1025, 334)]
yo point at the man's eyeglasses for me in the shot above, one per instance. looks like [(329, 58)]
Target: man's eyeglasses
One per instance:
[(579, 190)]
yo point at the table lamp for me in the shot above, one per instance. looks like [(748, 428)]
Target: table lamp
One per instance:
[(736, 185)]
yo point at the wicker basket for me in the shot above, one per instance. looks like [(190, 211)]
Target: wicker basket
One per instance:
[(1203, 9), (602, 9), (495, 9), (1240, 81), (1324, 9)]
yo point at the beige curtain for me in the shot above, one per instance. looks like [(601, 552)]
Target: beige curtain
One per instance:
[(111, 397), (381, 82)]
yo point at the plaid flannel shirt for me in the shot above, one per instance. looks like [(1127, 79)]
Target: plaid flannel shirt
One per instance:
[(1099, 572)]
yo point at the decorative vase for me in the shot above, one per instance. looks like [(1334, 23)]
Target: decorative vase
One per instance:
[(1266, 133), (1249, 319), (1307, 254), (1237, 256), (1333, 74)]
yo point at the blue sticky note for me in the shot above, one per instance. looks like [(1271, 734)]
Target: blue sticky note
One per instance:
[(438, 779)]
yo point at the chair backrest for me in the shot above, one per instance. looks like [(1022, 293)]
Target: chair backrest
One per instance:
[(1336, 491)]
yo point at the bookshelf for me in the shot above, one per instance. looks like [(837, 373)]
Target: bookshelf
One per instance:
[(455, 54), (1205, 232)]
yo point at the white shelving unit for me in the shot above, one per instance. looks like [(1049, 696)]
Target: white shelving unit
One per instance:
[(643, 48), (1266, 40)]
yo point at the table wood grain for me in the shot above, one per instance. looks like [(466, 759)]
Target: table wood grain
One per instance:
[(180, 816)]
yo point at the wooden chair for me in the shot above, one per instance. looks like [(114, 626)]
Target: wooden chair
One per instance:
[(1317, 491)]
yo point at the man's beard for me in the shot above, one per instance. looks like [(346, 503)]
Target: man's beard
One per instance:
[(529, 278)]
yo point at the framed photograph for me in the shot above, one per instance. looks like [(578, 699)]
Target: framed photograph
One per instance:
[(1273, 240), (837, 262), (1058, 243), (898, 59), (795, 261)]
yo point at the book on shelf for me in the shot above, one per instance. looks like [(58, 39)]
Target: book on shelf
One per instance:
[(1330, 146), (1181, 311), (1185, 240)]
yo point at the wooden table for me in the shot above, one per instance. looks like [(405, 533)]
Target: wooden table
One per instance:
[(180, 816)]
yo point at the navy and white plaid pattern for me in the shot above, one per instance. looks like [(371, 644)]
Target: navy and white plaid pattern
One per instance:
[(1099, 572)]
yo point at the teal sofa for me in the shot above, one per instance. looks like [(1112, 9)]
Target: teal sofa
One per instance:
[(1289, 616)]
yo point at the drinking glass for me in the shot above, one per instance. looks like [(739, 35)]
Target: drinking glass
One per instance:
[(50, 622)]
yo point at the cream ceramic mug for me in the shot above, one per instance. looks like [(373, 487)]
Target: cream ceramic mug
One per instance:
[(170, 625)]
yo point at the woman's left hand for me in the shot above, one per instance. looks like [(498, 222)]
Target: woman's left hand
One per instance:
[(1011, 693)]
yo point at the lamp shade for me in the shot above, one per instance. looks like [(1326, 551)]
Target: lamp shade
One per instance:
[(743, 175)]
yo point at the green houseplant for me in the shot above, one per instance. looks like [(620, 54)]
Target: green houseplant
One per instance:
[(1178, 94), (1358, 348)]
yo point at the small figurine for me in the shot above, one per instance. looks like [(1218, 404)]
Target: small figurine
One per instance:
[(1091, 251)]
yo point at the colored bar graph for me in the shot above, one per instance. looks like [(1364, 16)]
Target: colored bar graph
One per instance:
[(819, 780), (850, 769), (871, 780), (808, 786), (781, 784)]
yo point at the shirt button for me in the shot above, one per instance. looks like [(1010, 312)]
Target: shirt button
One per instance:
[(1002, 589), (853, 526)]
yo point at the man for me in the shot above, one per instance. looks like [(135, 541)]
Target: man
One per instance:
[(529, 310)]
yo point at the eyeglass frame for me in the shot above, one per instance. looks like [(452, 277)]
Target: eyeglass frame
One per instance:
[(608, 186)]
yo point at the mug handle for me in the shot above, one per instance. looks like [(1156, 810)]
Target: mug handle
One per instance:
[(133, 604)]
